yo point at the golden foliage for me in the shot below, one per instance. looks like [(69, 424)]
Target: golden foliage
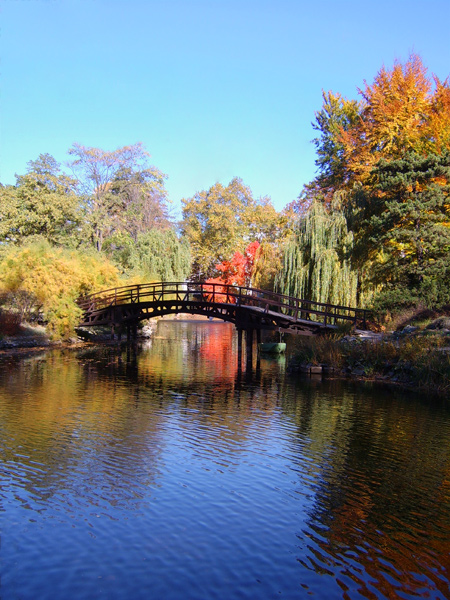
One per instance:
[(55, 278), (401, 112)]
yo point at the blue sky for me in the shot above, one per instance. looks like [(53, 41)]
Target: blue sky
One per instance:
[(213, 88)]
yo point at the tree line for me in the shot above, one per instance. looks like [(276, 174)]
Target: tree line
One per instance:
[(371, 229), (106, 220)]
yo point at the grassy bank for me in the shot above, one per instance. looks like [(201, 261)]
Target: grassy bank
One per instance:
[(416, 356)]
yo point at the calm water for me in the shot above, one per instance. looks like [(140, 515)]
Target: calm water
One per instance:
[(176, 476)]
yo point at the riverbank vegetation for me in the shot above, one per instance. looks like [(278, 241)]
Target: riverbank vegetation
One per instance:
[(42, 282), (371, 230), (416, 356)]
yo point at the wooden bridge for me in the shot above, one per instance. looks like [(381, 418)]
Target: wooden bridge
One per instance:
[(249, 309)]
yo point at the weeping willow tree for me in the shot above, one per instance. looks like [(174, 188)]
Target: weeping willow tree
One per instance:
[(317, 259), (155, 255), (160, 256)]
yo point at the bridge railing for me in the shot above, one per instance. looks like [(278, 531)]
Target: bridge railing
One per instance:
[(269, 302)]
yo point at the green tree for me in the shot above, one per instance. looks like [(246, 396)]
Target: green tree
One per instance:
[(407, 227), (121, 189), (155, 255), (316, 262), (43, 203), (222, 220)]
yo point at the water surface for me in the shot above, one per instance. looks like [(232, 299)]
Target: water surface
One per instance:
[(171, 474)]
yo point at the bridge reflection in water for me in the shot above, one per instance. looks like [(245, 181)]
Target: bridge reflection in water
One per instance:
[(249, 309)]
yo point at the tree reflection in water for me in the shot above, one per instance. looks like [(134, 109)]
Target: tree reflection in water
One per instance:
[(249, 483)]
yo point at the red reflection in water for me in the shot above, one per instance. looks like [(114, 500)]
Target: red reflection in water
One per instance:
[(218, 350)]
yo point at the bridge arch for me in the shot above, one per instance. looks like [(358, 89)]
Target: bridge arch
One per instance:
[(247, 308)]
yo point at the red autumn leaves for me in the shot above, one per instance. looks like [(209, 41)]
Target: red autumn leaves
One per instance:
[(235, 272)]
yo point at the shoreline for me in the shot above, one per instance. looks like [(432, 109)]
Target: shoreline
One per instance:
[(392, 383), (412, 359)]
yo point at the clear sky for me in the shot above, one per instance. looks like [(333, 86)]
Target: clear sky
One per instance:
[(213, 88)]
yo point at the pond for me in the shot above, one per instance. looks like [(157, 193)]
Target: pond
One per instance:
[(171, 474)]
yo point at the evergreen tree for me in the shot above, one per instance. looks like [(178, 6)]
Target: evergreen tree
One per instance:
[(409, 229)]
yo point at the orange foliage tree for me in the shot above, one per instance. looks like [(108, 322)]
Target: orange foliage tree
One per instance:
[(402, 111)]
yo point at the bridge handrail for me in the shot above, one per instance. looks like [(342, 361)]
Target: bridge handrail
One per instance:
[(141, 286), (241, 294)]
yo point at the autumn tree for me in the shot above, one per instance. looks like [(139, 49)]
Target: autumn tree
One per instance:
[(396, 117), (267, 266), (438, 118), (222, 220), (52, 279), (336, 116), (237, 271), (383, 158)]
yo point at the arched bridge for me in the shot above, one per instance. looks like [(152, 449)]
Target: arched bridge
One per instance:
[(247, 308)]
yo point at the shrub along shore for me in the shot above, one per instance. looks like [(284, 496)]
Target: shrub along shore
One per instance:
[(415, 356)]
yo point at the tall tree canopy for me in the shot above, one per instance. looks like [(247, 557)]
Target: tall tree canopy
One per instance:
[(142, 201), (400, 112), (336, 116), (384, 160), (42, 203), (123, 191), (222, 220)]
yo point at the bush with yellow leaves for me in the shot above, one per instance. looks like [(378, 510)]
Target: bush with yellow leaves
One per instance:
[(54, 278)]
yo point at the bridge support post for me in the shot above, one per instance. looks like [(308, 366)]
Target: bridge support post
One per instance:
[(112, 331), (249, 347), (239, 332)]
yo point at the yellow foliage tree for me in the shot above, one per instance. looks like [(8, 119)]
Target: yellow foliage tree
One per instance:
[(395, 118), (439, 118), (54, 278)]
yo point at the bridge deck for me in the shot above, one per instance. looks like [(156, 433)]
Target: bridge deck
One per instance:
[(247, 308)]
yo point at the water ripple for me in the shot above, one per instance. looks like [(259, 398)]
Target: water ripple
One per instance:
[(178, 477)]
